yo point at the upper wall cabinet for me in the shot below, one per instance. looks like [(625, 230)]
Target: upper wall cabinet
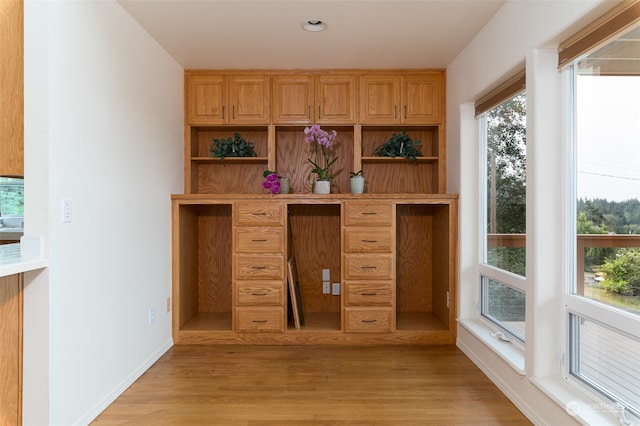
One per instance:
[(213, 99), (322, 99), (415, 98), (11, 89)]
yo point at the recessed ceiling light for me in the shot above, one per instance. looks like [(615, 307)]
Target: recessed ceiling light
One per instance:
[(314, 25)]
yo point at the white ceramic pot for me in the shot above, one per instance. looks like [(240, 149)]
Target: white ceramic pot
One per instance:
[(356, 183), (322, 187), (284, 185)]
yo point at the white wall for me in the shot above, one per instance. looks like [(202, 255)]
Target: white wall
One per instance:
[(103, 128), (522, 31)]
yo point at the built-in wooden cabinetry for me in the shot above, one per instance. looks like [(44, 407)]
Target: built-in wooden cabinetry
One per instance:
[(12, 88), (393, 249), (11, 317)]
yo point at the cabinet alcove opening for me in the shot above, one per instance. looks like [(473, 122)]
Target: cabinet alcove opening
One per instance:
[(232, 174), (205, 258), (422, 267), (314, 240), (293, 154)]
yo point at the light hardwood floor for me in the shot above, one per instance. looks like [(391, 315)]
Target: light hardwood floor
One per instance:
[(311, 385)]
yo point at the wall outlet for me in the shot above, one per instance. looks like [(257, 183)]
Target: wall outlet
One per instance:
[(326, 287), (67, 211), (152, 315), (326, 275), (335, 290)]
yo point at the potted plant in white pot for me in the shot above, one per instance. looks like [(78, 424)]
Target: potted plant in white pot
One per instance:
[(356, 182)]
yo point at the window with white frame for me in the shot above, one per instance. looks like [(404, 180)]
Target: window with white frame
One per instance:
[(503, 189), (603, 299)]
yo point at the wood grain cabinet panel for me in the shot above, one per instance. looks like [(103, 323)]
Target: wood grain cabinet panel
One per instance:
[(260, 320), (206, 99), (307, 99), (259, 214), (259, 240), (259, 266), (370, 293), (250, 100), (368, 240), (379, 99), (374, 320), (260, 293), (422, 98), (363, 266), (367, 214)]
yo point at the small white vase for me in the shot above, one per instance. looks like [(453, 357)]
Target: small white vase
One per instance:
[(284, 185), (356, 184), (322, 187)]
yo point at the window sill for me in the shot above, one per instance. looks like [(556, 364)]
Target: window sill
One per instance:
[(582, 406), (512, 353)]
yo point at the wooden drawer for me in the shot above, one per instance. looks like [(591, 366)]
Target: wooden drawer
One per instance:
[(259, 240), (375, 293), (259, 267), (259, 213), (363, 320), (260, 293), (357, 213), (260, 320), (367, 240), (368, 266)]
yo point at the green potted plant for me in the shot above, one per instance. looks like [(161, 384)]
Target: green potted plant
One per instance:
[(356, 182), (232, 147), (399, 145)]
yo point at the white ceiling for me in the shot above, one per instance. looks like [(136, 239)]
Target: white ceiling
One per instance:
[(245, 34)]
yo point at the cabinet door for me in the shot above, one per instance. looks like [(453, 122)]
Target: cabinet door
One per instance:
[(379, 99), (336, 99), (421, 99), (12, 88), (293, 99), (206, 100), (250, 100)]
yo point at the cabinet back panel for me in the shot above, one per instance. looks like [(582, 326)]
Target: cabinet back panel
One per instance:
[(315, 231), (399, 176), (214, 258), (414, 258), (188, 264), (442, 261), (202, 137), (293, 154), (227, 176), (373, 137)]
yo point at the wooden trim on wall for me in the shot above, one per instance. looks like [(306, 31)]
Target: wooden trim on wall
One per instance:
[(599, 32)]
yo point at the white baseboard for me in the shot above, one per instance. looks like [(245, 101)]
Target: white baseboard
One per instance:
[(92, 414)]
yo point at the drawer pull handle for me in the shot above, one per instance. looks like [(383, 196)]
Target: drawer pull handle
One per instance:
[(369, 213), (369, 241), (259, 240), (258, 213), (369, 267), (258, 294), (259, 321), (258, 268), (369, 320), (369, 294)]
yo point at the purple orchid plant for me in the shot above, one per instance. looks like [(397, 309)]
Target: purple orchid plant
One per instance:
[(322, 142)]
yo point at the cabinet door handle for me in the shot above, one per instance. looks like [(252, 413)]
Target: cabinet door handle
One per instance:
[(223, 112), (259, 240), (369, 241), (369, 294), (369, 320), (405, 112), (258, 268), (369, 267), (260, 321), (309, 111), (233, 113), (318, 112), (395, 112), (258, 294)]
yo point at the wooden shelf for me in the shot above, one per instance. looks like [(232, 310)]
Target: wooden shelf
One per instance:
[(398, 159), (231, 159)]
